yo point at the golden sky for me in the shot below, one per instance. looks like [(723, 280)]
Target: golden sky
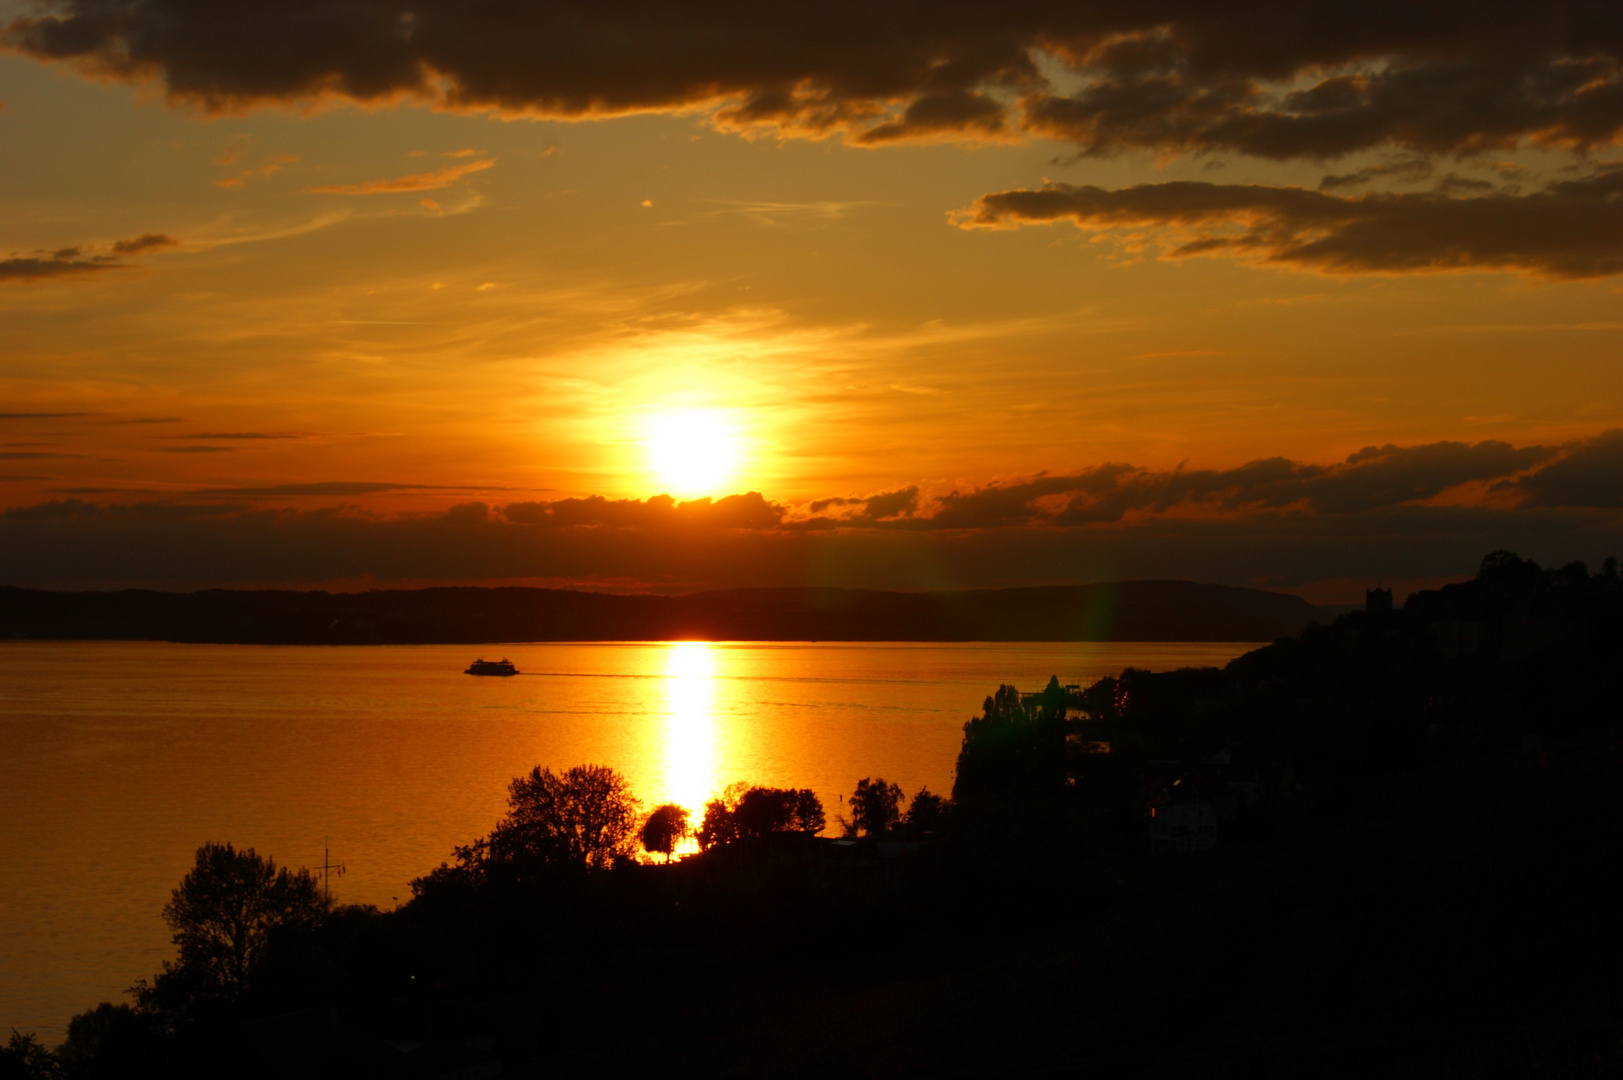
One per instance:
[(1092, 278)]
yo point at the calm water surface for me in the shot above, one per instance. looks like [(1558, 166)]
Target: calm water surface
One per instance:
[(117, 759)]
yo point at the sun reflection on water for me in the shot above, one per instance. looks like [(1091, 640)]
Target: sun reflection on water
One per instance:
[(690, 725)]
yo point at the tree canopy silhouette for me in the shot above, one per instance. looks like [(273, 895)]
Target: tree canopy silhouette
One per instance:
[(926, 813), (582, 817), (222, 915), (749, 812), (24, 1057), (667, 826), (1016, 745), (876, 808)]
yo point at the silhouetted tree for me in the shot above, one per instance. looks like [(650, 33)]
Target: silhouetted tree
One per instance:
[(808, 814), (1016, 747), (718, 826), (666, 827), (876, 808), (746, 811), (763, 810), (222, 915), (926, 812), (25, 1058), (760, 811), (111, 1041), (582, 817)]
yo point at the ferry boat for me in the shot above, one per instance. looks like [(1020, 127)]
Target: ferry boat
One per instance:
[(482, 666)]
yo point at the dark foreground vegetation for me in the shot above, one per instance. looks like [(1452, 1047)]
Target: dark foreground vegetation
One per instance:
[(1384, 847), (1110, 611)]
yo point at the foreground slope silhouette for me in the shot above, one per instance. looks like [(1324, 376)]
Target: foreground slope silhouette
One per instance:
[(1418, 882)]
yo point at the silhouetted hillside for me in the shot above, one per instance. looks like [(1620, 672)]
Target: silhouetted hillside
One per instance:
[(1114, 611)]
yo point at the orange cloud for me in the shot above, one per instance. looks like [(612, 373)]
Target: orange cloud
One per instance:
[(273, 166), (429, 181)]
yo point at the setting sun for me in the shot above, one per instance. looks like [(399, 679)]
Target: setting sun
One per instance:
[(693, 452)]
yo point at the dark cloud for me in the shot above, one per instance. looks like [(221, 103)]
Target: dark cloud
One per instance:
[(1270, 78), (889, 506), (1374, 478), (1274, 520), (80, 545), (750, 511), (955, 113), (144, 243), (1571, 229), (1590, 474), (1462, 185), (31, 455), (1408, 170), (78, 261), (195, 449), (38, 415), (1460, 92), (66, 263)]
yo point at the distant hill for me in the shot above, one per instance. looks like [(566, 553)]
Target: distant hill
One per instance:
[(1113, 611)]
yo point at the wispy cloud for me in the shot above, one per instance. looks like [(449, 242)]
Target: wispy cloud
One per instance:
[(270, 168), (428, 181), (332, 487), (247, 435), (225, 232), (775, 213)]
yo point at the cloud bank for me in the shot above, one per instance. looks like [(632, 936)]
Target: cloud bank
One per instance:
[(1387, 511), (1265, 77)]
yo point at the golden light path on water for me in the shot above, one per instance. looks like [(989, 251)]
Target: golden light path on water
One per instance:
[(690, 752)]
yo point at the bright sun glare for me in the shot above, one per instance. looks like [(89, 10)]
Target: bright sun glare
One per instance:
[(694, 452)]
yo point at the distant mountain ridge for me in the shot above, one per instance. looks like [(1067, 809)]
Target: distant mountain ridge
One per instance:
[(1108, 611)]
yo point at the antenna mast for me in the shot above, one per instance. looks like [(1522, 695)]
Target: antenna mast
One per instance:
[(328, 868)]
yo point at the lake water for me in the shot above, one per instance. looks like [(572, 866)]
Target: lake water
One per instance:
[(117, 759)]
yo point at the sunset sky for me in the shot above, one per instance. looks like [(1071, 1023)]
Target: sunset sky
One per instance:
[(920, 295)]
